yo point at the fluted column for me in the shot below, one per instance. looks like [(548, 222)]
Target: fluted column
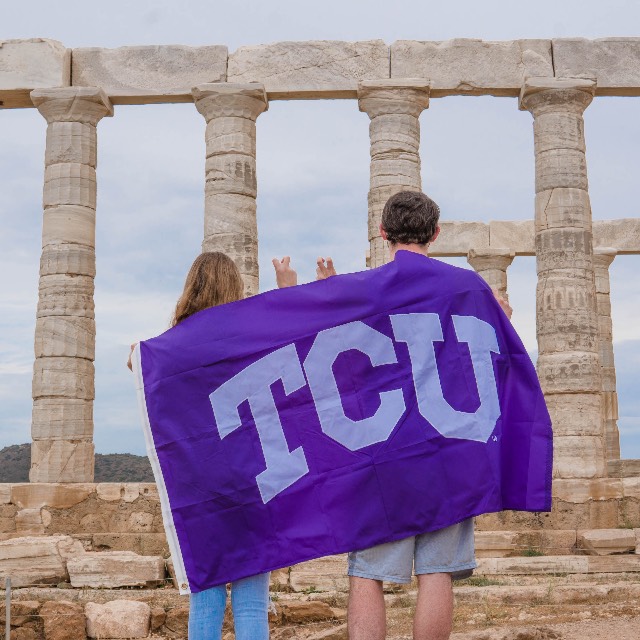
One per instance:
[(492, 265), (567, 322), (394, 107), (63, 380), (230, 223), (602, 259)]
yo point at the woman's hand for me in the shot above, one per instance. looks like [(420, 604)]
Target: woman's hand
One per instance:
[(129, 363), (285, 275), (504, 304), (325, 269)]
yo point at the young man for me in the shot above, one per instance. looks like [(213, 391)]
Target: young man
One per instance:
[(409, 223)]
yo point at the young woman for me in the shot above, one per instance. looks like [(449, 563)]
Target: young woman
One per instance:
[(212, 280)]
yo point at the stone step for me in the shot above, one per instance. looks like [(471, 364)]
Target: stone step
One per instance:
[(559, 564)]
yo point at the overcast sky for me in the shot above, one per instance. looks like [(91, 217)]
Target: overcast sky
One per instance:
[(313, 175)]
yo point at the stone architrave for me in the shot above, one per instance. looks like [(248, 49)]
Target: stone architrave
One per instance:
[(602, 259), (492, 265), (63, 380), (230, 224), (567, 320), (394, 107)]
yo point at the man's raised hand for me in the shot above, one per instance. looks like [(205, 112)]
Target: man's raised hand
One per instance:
[(325, 269), (285, 275), (506, 307)]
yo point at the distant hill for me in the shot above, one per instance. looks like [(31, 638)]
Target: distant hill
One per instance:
[(113, 467)]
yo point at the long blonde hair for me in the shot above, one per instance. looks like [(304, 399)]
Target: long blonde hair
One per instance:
[(212, 280)]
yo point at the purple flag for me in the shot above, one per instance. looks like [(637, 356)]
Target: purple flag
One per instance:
[(337, 415)]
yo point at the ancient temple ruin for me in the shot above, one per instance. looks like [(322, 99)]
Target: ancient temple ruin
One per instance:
[(553, 80)]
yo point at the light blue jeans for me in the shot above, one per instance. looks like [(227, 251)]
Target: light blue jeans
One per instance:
[(250, 605)]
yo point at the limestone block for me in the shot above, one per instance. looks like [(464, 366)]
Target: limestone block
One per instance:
[(604, 542), (5, 493), (398, 104), (67, 336), (140, 522), (558, 130), (57, 496), (28, 64), (312, 69), (324, 574), (631, 487), (66, 377), (458, 238), (570, 372), (516, 236), (62, 419), (303, 612), (177, 621), (231, 173), (74, 142), (158, 618), (613, 62), (144, 544), (73, 104), (564, 168), (230, 100), (69, 183), (623, 234), (587, 490), (578, 457), (394, 134), (37, 560), (63, 620), (229, 213), (614, 564), (472, 67), (230, 134), (495, 544), (112, 569), (564, 248), (118, 619), (637, 534), (562, 208), (29, 522), (149, 74), (65, 294), (575, 414), (69, 223), (61, 461), (558, 542), (533, 565)]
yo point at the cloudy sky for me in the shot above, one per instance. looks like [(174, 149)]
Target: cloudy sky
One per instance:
[(313, 163)]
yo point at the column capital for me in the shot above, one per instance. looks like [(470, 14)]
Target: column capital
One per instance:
[(72, 104), (490, 259), (216, 99), (540, 95), (405, 96), (603, 257)]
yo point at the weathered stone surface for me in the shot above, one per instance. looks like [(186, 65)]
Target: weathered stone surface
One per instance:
[(302, 612), (158, 617), (533, 565), (28, 64), (62, 419), (69, 223), (516, 236), (58, 496), (604, 542), (472, 67), (623, 234), (111, 491), (29, 522), (5, 493), (458, 238), (578, 457), (334, 633), (581, 491), (66, 377), (177, 620), (324, 574), (613, 62), (112, 569), (575, 414), (118, 619), (491, 265), (149, 74), (63, 620), (66, 336), (312, 69), (37, 560), (61, 460), (631, 487), (72, 104)]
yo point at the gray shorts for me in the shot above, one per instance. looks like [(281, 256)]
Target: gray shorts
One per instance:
[(449, 550)]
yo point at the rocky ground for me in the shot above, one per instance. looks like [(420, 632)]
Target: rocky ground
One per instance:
[(556, 607)]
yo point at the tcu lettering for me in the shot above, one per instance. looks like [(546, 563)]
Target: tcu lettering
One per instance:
[(420, 331)]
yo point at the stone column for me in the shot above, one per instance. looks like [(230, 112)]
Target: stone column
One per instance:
[(602, 259), (567, 323), (394, 107), (230, 223), (63, 379), (492, 265)]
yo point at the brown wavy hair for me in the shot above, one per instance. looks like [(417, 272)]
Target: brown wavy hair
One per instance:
[(212, 280)]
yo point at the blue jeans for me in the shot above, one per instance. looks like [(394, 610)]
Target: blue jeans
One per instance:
[(250, 604)]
